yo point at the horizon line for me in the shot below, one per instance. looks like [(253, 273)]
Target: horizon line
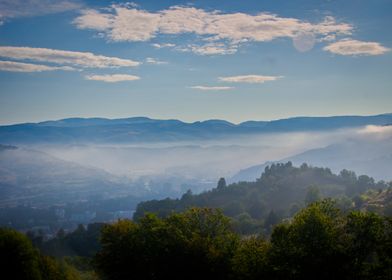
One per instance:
[(192, 122)]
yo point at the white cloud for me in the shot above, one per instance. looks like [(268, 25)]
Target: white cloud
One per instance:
[(12, 66), (356, 48), (151, 60), (126, 24), (259, 79), (164, 45), (22, 8), (112, 78), (215, 48), (82, 59), (210, 88), (120, 23), (92, 19)]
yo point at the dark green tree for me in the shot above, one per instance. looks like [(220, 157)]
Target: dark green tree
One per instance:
[(251, 260), (308, 247), (196, 244), (221, 183), (19, 260)]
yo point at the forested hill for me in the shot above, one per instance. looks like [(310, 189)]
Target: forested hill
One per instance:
[(280, 192)]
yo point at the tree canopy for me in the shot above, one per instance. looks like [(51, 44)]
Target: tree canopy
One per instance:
[(282, 189), (320, 241)]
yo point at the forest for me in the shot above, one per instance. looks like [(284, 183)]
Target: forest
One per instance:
[(326, 226), (319, 241), (280, 192)]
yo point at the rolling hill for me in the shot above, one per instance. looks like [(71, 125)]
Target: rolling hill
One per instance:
[(35, 178)]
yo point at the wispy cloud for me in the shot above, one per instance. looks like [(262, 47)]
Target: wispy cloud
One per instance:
[(258, 79), (12, 66), (215, 48), (119, 23), (164, 45), (211, 88), (356, 48), (112, 78), (81, 59), (151, 60), (23, 8)]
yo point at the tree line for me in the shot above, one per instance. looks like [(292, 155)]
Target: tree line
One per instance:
[(320, 241), (280, 192)]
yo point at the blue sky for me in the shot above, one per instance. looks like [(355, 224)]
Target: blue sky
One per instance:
[(194, 60)]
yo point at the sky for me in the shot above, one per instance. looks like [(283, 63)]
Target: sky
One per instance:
[(194, 60)]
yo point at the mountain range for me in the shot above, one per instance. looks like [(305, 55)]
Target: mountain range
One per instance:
[(142, 129), (54, 161)]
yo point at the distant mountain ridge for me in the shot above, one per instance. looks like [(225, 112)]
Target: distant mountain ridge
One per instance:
[(128, 130)]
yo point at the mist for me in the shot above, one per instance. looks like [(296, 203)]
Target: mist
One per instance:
[(208, 159), (52, 172)]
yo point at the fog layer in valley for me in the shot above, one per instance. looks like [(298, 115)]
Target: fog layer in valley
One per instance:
[(40, 174), (212, 159)]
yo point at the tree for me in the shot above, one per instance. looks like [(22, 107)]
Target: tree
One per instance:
[(187, 196), (17, 256), (233, 208), (312, 195), (349, 176), (221, 183), (20, 260), (251, 260), (197, 243), (369, 238), (308, 245), (271, 220), (245, 225), (319, 242)]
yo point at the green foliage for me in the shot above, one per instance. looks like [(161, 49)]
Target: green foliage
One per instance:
[(271, 220), (369, 236), (251, 259), (18, 257), (20, 260), (279, 188), (244, 224), (198, 242), (57, 270), (319, 242), (309, 245), (312, 195), (83, 266), (221, 184), (186, 240), (81, 242)]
